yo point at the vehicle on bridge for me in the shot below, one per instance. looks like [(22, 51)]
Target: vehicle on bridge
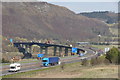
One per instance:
[(14, 67), (50, 61)]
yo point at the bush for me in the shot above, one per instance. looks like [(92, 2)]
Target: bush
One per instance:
[(93, 61), (62, 66), (113, 55), (101, 60), (5, 61), (97, 60), (85, 62), (106, 61)]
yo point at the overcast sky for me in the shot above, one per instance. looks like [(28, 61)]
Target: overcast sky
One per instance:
[(79, 7), (81, 0)]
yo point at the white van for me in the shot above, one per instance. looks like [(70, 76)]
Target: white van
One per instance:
[(14, 67)]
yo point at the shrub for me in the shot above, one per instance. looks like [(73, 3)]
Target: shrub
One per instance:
[(106, 61), (100, 60), (62, 66), (85, 62), (93, 61), (113, 55), (97, 60), (5, 61)]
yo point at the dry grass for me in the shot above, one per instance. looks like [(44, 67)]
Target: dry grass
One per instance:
[(77, 71), (114, 31), (72, 70)]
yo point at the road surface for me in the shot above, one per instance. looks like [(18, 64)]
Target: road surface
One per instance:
[(90, 53)]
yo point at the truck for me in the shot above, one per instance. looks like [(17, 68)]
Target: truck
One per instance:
[(50, 61), (14, 67)]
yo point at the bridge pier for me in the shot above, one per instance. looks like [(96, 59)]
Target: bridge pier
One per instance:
[(41, 50), (30, 49), (78, 51), (55, 50), (26, 47), (66, 51), (23, 46), (46, 50), (27, 52), (60, 51)]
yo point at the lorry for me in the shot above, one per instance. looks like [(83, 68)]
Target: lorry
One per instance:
[(50, 61), (14, 67)]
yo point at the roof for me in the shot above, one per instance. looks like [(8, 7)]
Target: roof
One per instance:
[(14, 64)]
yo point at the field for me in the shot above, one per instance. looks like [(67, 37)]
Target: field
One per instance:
[(114, 31), (76, 71), (104, 46), (71, 70)]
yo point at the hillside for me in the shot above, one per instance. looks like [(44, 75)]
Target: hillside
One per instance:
[(43, 20), (106, 16)]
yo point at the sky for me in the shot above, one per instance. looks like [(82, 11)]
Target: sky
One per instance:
[(60, 0), (81, 0), (79, 7)]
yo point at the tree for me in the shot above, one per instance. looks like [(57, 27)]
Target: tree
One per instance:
[(63, 66), (113, 55)]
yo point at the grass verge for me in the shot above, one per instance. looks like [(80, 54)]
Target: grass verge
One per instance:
[(34, 72)]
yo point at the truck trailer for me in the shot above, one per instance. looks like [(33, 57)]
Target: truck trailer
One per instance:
[(50, 61)]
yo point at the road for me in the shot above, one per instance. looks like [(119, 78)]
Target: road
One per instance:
[(37, 65)]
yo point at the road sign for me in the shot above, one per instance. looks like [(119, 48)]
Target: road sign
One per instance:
[(74, 50), (40, 55)]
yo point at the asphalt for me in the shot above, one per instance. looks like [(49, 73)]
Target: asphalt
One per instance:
[(90, 53)]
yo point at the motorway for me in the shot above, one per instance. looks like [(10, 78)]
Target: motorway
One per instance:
[(37, 65)]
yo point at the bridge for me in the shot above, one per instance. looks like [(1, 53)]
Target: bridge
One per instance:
[(26, 48)]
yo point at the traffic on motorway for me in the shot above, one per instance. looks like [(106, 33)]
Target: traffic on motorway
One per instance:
[(47, 62)]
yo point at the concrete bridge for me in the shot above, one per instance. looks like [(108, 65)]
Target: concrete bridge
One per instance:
[(26, 48)]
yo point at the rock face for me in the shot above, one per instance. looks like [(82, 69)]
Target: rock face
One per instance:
[(43, 20)]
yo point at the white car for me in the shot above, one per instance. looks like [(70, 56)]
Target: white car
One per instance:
[(15, 67)]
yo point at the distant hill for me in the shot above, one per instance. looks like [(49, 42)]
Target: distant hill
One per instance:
[(106, 16), (43, 20)]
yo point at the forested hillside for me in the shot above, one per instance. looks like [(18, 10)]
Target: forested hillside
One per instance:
[(106, 16)]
